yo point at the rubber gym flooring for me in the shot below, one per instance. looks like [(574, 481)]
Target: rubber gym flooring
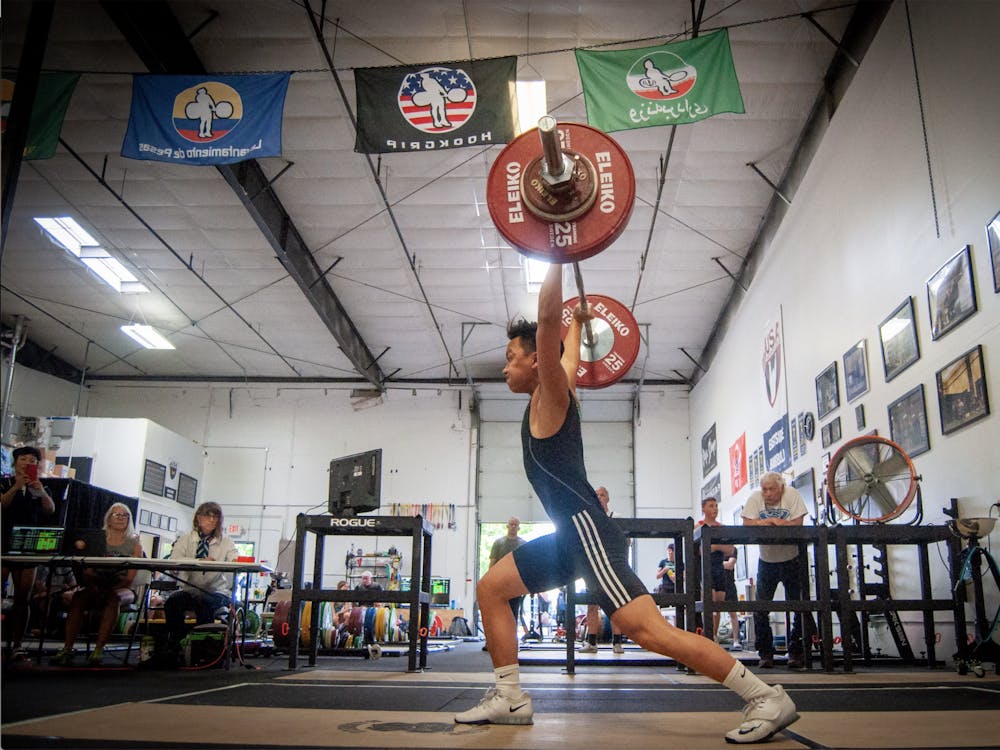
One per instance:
[(348, 702)]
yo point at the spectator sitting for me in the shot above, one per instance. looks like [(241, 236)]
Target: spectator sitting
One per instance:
[(103, 588), (205, 592)]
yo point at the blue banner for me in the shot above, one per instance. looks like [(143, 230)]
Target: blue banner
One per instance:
[(205, 119), (777, 455)]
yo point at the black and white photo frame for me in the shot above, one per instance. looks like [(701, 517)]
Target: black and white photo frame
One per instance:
[(951, 294), (827, 390), (908, 422), (831, 432), (993, 241), (856, 370), (898, 336), (961, 389)]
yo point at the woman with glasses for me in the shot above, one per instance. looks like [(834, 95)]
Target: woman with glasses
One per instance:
[(103, 589), (203, 592)]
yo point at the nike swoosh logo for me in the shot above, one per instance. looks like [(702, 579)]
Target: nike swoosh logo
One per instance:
[(517, 708), (748, 731)]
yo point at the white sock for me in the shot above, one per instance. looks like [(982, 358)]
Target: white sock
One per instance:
[(509, 681), (746, 684)]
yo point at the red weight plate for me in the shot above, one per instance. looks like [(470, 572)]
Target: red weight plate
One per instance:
[(616, 346), (562, 241)]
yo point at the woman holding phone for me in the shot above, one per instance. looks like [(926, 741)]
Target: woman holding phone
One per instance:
[(25, 503)]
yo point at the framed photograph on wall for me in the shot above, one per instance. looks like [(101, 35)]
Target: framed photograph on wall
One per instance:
[(951, 294), (856, 370), (172, 526), (709, 451), (827, 391), (830, 432), (908, 422), (961, 389), (993, 240), (144, 518), (859, 416), (898, 335), (154, 477), (154, 520), (187, 490)]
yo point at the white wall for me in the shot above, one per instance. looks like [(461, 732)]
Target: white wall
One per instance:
[(859, 238)]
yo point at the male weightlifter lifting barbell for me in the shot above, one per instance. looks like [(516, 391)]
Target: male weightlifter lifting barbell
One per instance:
[(586, 543)]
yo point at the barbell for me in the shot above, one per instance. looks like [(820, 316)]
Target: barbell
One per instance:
[(561, 197)]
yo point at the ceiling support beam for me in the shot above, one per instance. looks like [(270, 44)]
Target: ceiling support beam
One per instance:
[(15, 135), (411, 258), (156, 36), (864, 24)]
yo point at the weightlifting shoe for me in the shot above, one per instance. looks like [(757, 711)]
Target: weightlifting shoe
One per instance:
[(588, 648), (766, 661), (495, 709), (796, 661), (618, 648), (764, 717)]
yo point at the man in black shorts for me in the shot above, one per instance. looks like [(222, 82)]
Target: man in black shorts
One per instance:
[(586, 542)]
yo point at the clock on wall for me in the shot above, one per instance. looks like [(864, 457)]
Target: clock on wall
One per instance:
[(808, 425)]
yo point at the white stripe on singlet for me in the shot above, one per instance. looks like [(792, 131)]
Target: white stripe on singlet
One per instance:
[(599, 563)]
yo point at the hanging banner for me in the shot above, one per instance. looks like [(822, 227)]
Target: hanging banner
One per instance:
[(738, 463), (777, 453), (773, 361), (47, 113), (435, 107), (205, 119), (672, 84)]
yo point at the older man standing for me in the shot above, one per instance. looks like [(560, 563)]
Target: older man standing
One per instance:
[(776, 504)]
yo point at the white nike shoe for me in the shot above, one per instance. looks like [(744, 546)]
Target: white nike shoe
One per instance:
[(618, 648), (764, 717), (588, 648), (495, 709)]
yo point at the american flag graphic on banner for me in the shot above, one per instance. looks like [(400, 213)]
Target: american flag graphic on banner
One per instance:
[(437, 106)]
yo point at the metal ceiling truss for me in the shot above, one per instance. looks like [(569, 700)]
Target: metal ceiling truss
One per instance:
[(157, 38)]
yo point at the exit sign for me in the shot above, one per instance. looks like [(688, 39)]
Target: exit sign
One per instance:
[(234, 529)]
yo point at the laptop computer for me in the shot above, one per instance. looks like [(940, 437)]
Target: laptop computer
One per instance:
[(85, 543), (36, 540)]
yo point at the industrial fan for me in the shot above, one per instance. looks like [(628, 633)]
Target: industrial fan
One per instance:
[(871, 479)]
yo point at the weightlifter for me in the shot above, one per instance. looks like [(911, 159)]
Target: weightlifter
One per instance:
[(585, 544)]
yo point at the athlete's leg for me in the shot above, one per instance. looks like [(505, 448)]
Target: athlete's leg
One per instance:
[(641, 619), (501, 583)]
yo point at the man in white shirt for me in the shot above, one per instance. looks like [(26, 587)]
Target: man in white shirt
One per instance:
[(776, 504)]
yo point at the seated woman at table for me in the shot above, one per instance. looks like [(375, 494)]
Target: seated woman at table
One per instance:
[(104, 589), (205, 592)]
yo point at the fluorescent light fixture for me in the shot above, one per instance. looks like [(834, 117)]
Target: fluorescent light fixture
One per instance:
[(531, 104), (148, 336), (65, 232)]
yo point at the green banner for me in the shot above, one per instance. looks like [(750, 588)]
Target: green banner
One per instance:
[(671, 84), (436, 106), (51, 101)]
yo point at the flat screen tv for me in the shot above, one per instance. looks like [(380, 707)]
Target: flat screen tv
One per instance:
[(356, 483)]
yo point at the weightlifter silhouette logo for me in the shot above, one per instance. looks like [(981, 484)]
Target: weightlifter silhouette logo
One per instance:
[(437, 99), (207, 111), (661, 75)]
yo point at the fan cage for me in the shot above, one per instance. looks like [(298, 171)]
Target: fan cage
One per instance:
[(870, 472)]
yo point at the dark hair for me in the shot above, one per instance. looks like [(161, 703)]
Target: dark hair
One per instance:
[(670, 546), (527, 332), (524, 330), (26, 450), (708, 500)]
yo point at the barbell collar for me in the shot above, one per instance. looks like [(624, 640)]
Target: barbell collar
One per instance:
[(557, 166)]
